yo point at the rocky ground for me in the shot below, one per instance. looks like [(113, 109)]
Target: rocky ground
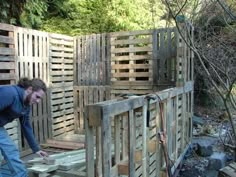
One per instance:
[(208, 154)]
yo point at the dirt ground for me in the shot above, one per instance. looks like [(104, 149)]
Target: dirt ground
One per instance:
[(193, 164)]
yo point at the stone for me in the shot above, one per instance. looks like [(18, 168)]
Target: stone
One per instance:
[(204, 150), (217, 161)]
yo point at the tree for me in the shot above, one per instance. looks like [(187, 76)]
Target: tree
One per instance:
[(214, 49), (10, 11)]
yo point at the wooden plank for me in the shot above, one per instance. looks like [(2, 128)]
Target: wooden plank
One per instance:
[(108, 59), (7, 65), (141, 32), (98, 152), (131, 66), (6, 40), (7, 76), (89, 147), (78, 60), (7, 51), (117, 139), (134, 49), (97, 55), (63, 144), (144, 139), (7, 58), (103, 59), (134, 57), (146, 40), (6, 27), (106, 142), (131, 144), (136, 74), (123, 168), (155, 43)]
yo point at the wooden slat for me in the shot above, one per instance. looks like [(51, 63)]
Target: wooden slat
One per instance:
[(6, 51), (6, 27), (141, 32), (63, 144), (134, 49)]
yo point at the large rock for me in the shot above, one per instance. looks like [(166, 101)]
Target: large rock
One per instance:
[(204, 150), (204, 145), (217, 161)]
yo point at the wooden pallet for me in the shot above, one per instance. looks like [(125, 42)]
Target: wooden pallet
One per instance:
[(64, 145), (228, 171), (70, 163), (7, 55)]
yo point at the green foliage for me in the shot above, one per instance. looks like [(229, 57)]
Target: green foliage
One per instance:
[(10, 11), (34, 12), (97, 16)]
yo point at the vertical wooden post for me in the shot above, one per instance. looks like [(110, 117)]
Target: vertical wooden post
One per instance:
[(131, 144), (89, 147), (98, 152), (155, 57), (117, 139), (106, 145), (144, 141)]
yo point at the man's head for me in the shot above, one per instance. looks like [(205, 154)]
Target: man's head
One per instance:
[(34, 90)]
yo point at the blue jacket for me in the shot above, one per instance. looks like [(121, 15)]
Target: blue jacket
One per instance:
[(12, 107)]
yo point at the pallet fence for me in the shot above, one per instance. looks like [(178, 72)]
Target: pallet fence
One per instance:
[(61, 68), (8, 70), (31, 49), (142, 61), (85, 95), (92, 60), (84, 70), (131, 147)]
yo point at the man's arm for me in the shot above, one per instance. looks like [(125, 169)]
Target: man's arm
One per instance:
[(28, 131), (29, 135)]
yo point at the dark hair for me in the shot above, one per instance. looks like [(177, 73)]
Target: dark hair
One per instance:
[(35, 83)]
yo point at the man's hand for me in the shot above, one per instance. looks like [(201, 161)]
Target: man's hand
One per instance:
[(42, 154)]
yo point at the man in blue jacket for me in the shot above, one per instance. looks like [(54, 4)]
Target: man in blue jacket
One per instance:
[(15, 102)]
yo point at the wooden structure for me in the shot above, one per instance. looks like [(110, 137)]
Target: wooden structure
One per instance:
[(228, 171), (129, 132), (134, 136), (85, 70), (8, 69), (142, 61)]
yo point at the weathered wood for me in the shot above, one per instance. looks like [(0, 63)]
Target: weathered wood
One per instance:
[(61, 52), (63, 144), (6, 27), (145, 149), (89, 148)]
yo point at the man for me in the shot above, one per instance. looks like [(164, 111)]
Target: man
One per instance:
[(15, 102)]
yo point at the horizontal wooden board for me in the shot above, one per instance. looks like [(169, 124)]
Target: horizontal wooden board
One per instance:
[(62, 48), (115, 41), (6, 40), (7, 65), (132, 87), (131, 66), (131, 91), (131, 33), (131, 83), (61, 54), (131, 50), (7, 58), (7, 76), (7, 51), (131, 58), (61, 37), (129, 74), (6, 27)]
